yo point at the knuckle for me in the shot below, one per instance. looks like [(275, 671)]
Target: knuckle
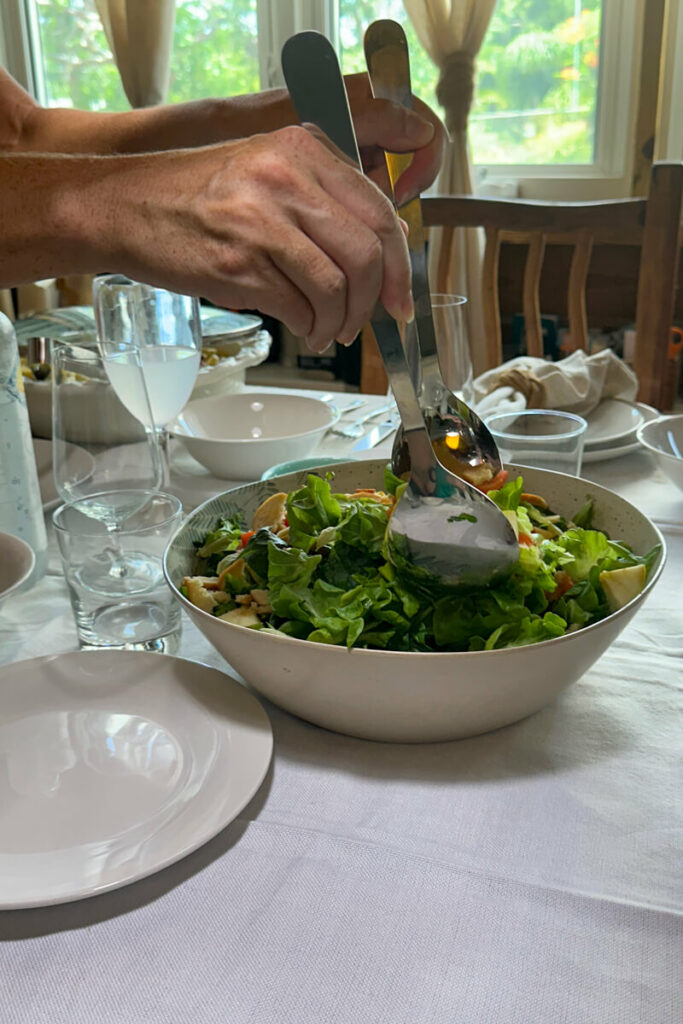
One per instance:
[(371, 251), (386, 221), (294, 137), (335, 283)]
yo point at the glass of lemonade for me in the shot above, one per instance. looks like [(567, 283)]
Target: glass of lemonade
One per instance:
[(148, 329)]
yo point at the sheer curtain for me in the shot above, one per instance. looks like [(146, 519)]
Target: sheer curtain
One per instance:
[(140, 33), (452, 32)]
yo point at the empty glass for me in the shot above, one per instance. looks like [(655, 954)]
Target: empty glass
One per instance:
[(543, 438), (118, 594), (448, 314)]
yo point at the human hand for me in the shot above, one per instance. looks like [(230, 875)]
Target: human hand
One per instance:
[(274, 222), (382, 125)]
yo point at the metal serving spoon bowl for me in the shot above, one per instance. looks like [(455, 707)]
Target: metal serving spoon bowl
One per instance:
[(447, 416), (441, 525)]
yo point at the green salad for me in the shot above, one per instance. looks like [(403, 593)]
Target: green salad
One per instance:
[(312, 565)]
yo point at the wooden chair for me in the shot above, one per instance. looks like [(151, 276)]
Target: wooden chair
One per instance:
[(652, 224)]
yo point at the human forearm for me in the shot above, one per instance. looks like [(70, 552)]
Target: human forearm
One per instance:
[(274, 222), (50, 221), (27, 127), (175, 126)]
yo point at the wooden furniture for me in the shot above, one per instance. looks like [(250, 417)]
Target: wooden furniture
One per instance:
[(651, 225), (373, 377)]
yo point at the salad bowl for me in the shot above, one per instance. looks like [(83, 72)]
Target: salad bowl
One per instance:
[(404, 696)]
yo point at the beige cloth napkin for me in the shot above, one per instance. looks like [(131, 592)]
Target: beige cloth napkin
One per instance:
[(575, 384)]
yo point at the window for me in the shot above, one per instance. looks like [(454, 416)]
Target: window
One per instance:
[(554, 99), (215, 53), (537, 77)]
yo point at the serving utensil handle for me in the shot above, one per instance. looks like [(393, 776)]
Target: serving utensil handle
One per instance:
[(316, 86)]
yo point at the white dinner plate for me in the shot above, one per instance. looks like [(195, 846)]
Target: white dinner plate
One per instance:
[(115, 764), (613, 422), (602, 452), (615, 452)]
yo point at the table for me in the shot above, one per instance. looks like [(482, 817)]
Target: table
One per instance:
[(529, 876)]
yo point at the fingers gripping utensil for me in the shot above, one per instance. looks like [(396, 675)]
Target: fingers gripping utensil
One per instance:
[(440, 525), (388, 63)]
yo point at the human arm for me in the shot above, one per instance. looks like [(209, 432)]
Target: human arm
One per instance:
[(274, 222), (25, 126)]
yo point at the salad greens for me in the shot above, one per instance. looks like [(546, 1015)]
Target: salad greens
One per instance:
[(320, 573)]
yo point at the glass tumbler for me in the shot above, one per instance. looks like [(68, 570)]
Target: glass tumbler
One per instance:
[(542, 438), (118, 593)]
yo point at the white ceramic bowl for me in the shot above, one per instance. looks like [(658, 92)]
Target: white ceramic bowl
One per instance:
[(664, 439), (16, 563), (239, 436), (394, 696)]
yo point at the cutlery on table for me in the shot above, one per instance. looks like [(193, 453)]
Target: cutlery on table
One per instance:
[(355, 429), (375, 436), (332, 398), (441, 525)]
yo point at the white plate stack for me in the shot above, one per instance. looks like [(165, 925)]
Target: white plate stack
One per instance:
[(612, 428)]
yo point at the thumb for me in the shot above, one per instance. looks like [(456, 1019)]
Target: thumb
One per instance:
[(390, 126)]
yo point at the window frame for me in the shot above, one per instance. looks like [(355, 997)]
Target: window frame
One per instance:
[(609, 175)]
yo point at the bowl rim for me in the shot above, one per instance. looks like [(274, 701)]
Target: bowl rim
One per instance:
[(647, 444), (334, 410), (192, 609), (31, 566)]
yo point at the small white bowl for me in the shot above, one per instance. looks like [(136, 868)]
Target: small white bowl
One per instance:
[(239, 436), (664, 439), (16, 563)]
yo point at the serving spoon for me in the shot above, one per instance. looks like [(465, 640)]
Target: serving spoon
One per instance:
[(460, 436), (440, 525)]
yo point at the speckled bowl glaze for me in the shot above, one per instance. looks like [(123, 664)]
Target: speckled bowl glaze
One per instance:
[(421, 697)]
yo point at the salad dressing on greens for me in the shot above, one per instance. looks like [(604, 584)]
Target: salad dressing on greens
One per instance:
[(312, 565)]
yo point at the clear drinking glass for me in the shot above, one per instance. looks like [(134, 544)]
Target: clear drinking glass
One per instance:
[(98, 448), (450, 329), (544, 438), (102, 457), (134, 609), (141, 327)]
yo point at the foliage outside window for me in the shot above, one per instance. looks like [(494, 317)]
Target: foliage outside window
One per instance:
[(537, 78), (215, 53)]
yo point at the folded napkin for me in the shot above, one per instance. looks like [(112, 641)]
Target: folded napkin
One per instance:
[(575, 384)]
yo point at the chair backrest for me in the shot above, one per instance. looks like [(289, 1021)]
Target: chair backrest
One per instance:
[(653, 224)]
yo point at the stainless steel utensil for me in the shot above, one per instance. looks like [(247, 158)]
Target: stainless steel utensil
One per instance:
[(375, 436), (388, 63), (356, 428), (441, 525)]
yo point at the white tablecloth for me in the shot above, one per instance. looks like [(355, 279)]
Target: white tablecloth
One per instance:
[(529, 876)]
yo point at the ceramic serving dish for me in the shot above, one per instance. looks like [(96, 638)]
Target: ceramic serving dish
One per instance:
[(663, 438), (405, 697), (237, 437)]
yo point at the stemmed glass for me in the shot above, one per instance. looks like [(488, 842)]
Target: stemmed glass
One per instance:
[(151, 336), (104, 460)]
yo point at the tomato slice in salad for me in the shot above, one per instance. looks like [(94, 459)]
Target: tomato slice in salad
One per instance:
[(496, 482)]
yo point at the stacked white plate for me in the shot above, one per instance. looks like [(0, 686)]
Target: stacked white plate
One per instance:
[(612, 428)]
